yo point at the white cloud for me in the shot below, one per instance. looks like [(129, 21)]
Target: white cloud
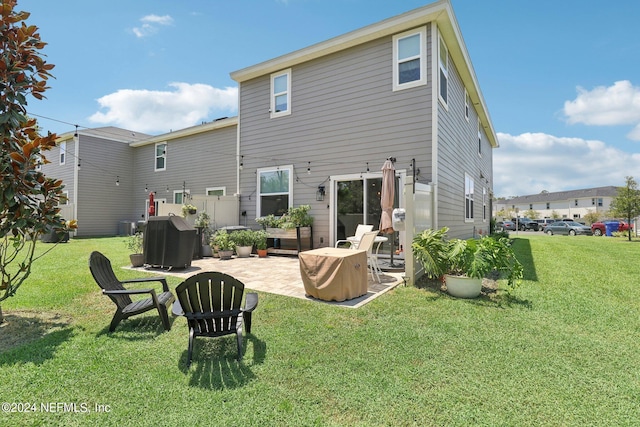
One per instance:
[(150, 23), (531, 162), (607, 106), (160, 111)]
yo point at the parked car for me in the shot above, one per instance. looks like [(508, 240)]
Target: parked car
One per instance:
[(542, 223), (505, 226), (570, 228), (599, 228), (526, 224)]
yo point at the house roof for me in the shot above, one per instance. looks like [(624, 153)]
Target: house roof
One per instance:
[(609, 191), (440, 12), (111, 133), (193, 130)]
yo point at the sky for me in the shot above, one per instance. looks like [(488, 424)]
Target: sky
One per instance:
[(561, 79)]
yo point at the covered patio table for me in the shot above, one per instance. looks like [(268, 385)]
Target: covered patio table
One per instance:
[(334, 274)]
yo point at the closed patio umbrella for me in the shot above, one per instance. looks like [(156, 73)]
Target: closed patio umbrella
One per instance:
[(387, 195), (152, 205)]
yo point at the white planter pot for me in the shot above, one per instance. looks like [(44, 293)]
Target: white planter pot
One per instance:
[(244, 251), (225, 254), (462, 286)]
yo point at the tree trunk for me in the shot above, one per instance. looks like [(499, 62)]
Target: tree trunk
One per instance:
[(1, 315)]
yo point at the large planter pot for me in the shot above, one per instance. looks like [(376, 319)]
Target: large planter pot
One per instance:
[(462, 286), (225, 254), (244, 251), (207, 251), (137, 260)]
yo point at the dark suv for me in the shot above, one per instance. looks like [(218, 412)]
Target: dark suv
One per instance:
[(526, 224)]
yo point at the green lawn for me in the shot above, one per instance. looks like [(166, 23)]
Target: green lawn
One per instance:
[(563, 350)]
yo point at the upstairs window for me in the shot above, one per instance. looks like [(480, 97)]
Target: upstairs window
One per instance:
[(63, 153), (281, 93), (443, 55), (466, 104), (479, 137), (275, 190), (409, 68), (161, 156)]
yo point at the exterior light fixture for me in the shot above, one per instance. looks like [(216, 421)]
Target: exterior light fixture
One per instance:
[(320, 193)]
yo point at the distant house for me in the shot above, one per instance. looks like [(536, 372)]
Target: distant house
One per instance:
[(315, 126), (562, 204)]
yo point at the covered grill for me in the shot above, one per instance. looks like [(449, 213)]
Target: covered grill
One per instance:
[(168, 242)]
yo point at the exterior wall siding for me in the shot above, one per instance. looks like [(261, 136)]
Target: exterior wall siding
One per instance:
[(344, 115), (101, 203), (457, 155), (198, 161)]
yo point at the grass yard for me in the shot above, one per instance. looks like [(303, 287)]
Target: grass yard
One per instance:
[(562, 351)]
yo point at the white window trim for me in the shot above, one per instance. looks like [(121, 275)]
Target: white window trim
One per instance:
[(183, 192), (224, 190), (63, 153), (484, 204), (272, 109), (466, 104), (445, 69), (273, 169), (479, 137), (155, 156), (422, 56), (469, 191)]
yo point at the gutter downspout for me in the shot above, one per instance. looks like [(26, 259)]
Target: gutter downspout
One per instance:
[(434, 124), (76, 173)]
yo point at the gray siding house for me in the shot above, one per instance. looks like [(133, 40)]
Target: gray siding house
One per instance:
[(330, 114), (315, 127), (96, 166)]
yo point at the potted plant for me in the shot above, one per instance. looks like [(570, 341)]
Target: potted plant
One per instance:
[(243, 240), (464, 263), (188, 209), (203, 221), (260, 239), (135, 244), (294, 224), (225, 245)]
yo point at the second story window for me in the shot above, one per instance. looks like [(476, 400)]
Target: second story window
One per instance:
[(63, 152), (479, 137), (161, 156), (466, 104), (409, 69), (281, 93), (443, 61)]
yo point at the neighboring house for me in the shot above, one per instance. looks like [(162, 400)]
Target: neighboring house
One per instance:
[(330, 114), (91, 162), (200, 160), (562, 204), (315, 127)]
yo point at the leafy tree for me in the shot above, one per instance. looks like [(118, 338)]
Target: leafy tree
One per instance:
[(627, 203), (28, 199), (531, 214), (592, 216)]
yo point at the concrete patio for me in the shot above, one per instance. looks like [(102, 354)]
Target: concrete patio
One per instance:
[(277, 275)]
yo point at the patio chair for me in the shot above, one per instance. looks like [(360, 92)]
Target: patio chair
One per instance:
[(211, 302), (104, 276), (353, 240), (366, 243)]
